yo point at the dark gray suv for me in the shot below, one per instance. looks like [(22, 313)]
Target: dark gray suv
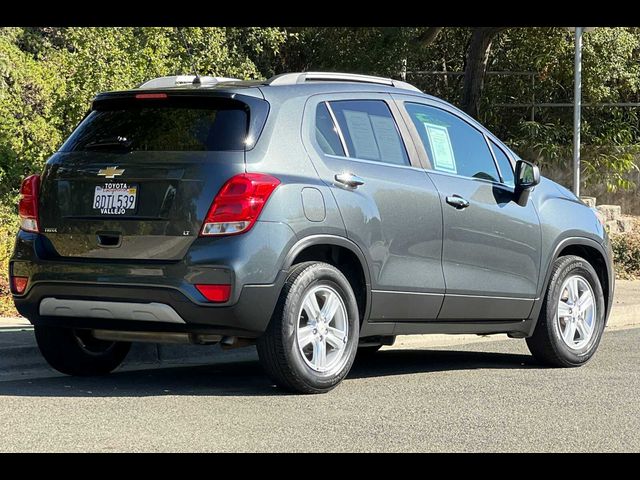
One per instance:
[(315, 214)]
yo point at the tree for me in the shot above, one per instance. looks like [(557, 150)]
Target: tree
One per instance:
[(428, 36), (381, 51), (477, 58), (29, 130), (48, 76)]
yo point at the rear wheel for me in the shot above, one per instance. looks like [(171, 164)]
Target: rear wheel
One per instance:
[(312, 338), (76, 352), (571, 321)]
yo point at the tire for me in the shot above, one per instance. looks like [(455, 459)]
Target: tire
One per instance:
[(290, 349), (548, 344), (75, 352)]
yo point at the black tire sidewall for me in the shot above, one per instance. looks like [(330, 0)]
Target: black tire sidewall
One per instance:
[(319, 274), (64, 352), (575, 266)]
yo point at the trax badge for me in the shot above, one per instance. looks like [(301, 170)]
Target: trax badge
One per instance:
[(111, 172)]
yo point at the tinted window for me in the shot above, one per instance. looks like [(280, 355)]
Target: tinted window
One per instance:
[(150, 125), (452, 144), (326, 132), (503, 162), (370, 131)]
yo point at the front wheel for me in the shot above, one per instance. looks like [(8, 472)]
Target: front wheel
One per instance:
[(312, 338), (76, 352), (572, 318)]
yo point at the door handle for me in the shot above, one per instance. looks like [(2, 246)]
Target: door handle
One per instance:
[(349, 179), (457, 201)]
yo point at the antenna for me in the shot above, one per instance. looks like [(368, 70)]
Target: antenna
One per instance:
[(196, 81)]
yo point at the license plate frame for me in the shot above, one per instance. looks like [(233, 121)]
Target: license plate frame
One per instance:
[(115, 199)]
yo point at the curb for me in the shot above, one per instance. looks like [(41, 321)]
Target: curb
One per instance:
[(19, 353)]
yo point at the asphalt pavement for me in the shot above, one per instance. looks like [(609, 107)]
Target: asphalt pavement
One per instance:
[(486, 396)]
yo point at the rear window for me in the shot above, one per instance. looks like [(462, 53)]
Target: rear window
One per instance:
[(162, 125)]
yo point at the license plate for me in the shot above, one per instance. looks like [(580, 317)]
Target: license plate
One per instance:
[(115, 198)]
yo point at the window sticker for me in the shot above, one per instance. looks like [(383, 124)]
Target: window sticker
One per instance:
[(362, 136), (441, 149), (388, 140)]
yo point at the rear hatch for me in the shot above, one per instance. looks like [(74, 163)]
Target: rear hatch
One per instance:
[(136, 178)]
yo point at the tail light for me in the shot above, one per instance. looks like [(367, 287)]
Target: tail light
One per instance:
[(215, 293), (28, 204), (19, 284), (238, 204), (151, 96)]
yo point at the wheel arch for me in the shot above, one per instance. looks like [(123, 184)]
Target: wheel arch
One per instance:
[(591, 251), (340, 252)]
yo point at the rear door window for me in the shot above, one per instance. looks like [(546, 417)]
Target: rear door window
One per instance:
[(162, 125), (369, 131)]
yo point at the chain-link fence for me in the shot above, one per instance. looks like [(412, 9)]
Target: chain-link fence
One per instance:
[(511, 97)]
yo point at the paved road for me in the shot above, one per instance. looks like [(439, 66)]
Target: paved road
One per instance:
[(487, 396)]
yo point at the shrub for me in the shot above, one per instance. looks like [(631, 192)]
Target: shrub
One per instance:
[(8, 229), (626, 253)]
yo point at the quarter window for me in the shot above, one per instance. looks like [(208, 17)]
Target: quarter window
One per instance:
[(369, 131), (503, 162), (326, 132), (453, 146)]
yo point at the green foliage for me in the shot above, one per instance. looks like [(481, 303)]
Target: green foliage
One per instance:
[(100, 59), (49, 75), (610, 135), (8, 229), (609, 165), (29, 129), (611, 73)]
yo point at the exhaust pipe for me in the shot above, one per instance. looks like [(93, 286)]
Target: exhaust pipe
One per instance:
[(156, 337), (227, 343)]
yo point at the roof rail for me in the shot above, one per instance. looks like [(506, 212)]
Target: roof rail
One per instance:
[(302, 77), (177, 80)]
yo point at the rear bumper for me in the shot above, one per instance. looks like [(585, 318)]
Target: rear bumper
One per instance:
[(252, 264), (249, 317)]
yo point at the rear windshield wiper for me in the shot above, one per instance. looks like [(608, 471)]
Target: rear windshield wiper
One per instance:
[(112, 142)]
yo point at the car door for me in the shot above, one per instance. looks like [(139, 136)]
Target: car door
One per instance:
[(390, 207), (491, 248)]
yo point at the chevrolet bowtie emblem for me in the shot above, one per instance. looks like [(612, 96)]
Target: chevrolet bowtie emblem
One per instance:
[(111, 172)]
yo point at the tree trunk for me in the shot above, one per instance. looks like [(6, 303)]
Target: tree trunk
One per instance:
[(476, 67), (428, 36)]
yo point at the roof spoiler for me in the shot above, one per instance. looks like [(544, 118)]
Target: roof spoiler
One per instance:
[(178, 80)]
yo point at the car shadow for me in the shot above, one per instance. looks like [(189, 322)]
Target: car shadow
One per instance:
[(247, 378), (401, 362)]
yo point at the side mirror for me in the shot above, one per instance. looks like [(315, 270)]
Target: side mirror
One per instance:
[(527, 176)]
